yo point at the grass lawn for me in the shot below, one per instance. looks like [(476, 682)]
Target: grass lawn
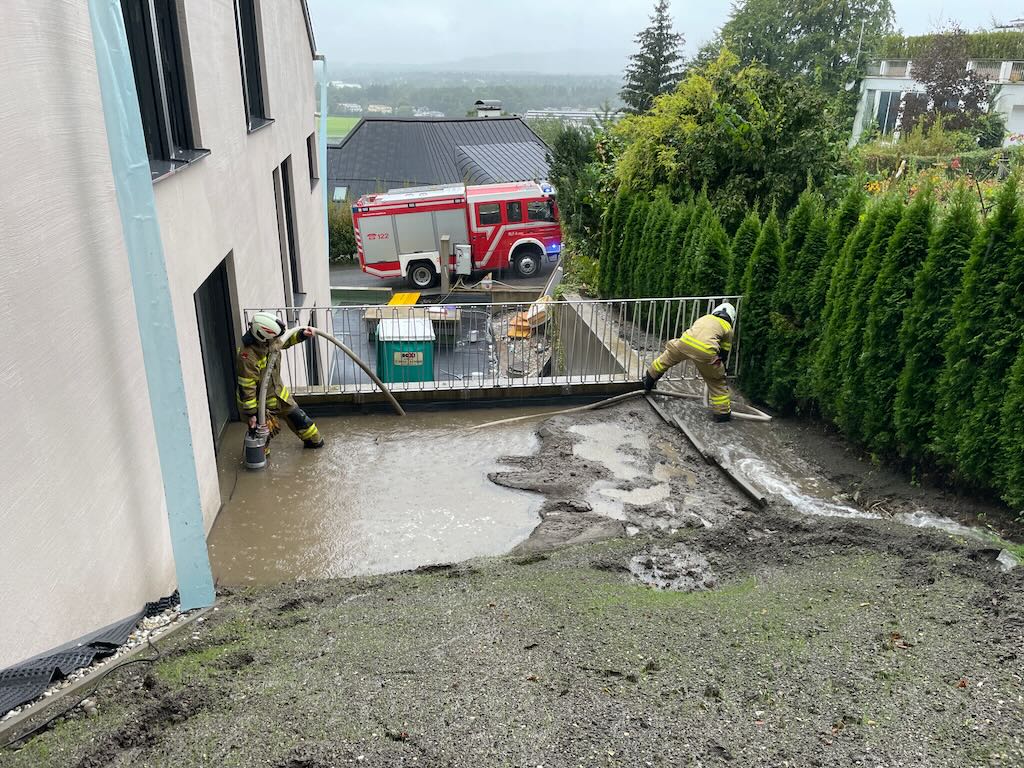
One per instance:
[(338, 127)]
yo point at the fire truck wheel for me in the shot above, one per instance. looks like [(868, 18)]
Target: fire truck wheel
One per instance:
[(422, 275), (527, 263)]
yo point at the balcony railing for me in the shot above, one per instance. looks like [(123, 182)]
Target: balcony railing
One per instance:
[(991, 70), (477, 346), (987, 69)]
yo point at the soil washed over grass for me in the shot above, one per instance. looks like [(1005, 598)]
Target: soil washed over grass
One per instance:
[(778, 639)]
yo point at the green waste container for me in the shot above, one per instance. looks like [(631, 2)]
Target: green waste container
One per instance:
[(405, 350)]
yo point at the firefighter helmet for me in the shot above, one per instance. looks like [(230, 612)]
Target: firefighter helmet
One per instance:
[(726, 311), (265, 326)]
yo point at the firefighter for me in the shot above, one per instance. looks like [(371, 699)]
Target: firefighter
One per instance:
[(707, 343), (250, 364)]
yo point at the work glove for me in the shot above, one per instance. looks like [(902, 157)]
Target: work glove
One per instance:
[(649, 382)]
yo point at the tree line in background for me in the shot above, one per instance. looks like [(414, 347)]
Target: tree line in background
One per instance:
[(455, 98), (896, 317)]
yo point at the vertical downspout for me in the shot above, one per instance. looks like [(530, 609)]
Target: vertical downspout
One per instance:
[(323, 149), (153, 308)]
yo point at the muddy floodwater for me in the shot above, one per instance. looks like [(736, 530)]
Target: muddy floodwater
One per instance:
[(385, 494)]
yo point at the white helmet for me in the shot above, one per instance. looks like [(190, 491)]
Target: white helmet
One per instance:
[(265, 326), (726, 311)]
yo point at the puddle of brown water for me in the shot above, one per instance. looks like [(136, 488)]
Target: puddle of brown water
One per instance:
[(385, 494)]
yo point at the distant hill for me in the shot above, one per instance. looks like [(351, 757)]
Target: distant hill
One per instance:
[(575, 62)]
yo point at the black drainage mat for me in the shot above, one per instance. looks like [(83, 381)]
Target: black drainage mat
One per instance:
[(24, 682)]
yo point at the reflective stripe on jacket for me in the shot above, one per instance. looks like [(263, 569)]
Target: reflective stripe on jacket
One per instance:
[(708, 337), (250, 362), (709, 334)]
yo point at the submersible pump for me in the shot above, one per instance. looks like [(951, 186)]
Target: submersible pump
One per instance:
[(256, 447)]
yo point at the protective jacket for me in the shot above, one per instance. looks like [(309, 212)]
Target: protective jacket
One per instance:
[(250, 363), (707, 342)]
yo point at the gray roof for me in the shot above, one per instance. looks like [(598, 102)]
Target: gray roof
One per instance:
[(382, 153)]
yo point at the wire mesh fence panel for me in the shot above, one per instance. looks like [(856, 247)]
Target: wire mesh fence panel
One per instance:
[(471, 346)]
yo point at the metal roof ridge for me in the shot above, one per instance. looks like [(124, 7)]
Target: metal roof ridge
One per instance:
[(395, 119)]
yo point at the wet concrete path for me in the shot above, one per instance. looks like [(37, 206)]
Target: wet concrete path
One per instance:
[(385, 494)]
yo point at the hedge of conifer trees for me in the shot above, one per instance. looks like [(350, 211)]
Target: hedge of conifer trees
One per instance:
[(899, 319)]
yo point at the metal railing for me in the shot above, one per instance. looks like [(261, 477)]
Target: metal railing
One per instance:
[(990, 70), (429, 347)]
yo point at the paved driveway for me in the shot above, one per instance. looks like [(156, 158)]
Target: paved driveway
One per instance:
[(351, 276)]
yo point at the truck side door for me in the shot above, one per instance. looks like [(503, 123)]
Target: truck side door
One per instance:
[(487, 219)]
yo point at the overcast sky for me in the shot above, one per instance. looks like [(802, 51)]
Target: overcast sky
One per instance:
[(578, 35)]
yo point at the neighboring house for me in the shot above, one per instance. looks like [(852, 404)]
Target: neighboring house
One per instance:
[(386, 153), (889, 80), (488, 108), (231, 132)]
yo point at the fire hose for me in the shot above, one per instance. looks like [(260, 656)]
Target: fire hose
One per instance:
[(256, 443), (756, 415), (275, 353)]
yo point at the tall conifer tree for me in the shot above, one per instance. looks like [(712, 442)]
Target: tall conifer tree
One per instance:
[(743, 243), (827, 379), (881, 361), (655, 68), (976, 312), (759, 283), (928, 322)]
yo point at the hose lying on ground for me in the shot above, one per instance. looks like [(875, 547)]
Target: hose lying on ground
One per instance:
[(755, 416), (275, 352)]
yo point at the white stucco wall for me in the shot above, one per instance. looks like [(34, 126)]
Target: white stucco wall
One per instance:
[(84, 537), (224, 203), (84, 532)]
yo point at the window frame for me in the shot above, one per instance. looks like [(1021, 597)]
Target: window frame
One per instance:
[(312, 154), (508, 211), (254, 98), (480, 214), (153, 29), (549, 208), (284, 200)]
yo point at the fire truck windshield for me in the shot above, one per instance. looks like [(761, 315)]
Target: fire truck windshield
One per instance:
[(541, 210)]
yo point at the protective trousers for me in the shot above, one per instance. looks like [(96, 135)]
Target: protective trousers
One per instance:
[(299, 422), (708, 365)]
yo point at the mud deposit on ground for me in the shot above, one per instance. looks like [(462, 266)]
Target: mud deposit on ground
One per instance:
[(775, 639), (619, 471)]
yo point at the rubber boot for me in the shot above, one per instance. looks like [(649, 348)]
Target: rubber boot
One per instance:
[(311, 444), (720, 418)]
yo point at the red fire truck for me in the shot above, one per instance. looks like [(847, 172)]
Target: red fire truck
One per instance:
[(490, 227)]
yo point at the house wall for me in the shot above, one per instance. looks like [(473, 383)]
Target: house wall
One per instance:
[(85, 540), (225, 203), (1009, 101)]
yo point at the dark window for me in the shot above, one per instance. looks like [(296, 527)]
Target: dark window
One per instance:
[(514, 212), (154, 41), (540, 210), (314, 166), (489, 213), (286, 228), (313, 355), (252, 71), (888, 111)]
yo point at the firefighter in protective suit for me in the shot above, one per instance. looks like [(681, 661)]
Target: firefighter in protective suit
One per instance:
[(250, 364), (707, 343)]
